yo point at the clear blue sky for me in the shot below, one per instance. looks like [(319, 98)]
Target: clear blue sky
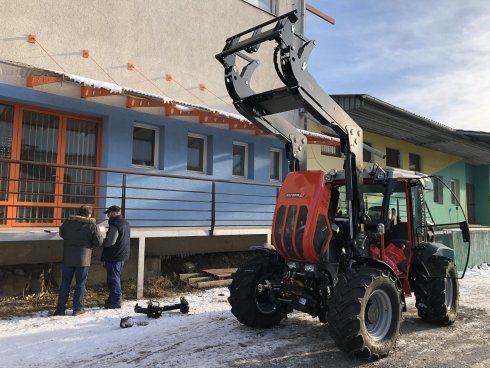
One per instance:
[(431, 58)]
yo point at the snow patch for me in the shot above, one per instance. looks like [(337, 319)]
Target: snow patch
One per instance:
[(209, 336)]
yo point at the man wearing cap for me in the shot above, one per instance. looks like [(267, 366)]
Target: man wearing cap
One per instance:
[(115, 252)]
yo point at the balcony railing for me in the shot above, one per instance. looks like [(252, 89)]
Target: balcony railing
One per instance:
[(45, 194)]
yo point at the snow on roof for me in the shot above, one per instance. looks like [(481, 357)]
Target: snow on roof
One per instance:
[(115, 88), (319, 136)]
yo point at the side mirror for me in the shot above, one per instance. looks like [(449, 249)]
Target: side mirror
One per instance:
[(381, 228), (465, 230)]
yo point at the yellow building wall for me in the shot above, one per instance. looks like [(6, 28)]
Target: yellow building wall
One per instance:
[(432, 161)]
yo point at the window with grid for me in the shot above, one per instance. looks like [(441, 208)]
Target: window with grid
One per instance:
[(392, 157), (81, 150), (6, 131), (328, 150), (414, 162)]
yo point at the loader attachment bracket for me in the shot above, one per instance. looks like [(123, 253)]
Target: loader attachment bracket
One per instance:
[(300, 90)]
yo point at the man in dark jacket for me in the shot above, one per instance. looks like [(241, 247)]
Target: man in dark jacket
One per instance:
[(80, 234), (114, 254)]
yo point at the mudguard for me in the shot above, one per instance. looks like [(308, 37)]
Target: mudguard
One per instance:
[(375, 263), (425, 250)]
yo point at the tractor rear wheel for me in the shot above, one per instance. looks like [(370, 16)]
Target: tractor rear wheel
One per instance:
[(437, 295), (365, 312), (252, 299)]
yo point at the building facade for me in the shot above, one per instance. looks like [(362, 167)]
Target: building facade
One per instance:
[(461, 159), (107, 103), (157, 56)]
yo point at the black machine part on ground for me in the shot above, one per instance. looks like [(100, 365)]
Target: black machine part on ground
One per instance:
[(127, 322), (154, 310)]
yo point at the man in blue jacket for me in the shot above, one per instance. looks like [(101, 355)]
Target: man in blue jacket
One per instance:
[(115, 252), (80, 235)]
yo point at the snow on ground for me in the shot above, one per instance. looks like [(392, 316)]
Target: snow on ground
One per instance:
[(209, 336)]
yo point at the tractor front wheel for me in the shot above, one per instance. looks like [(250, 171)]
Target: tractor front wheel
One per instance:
[(365, 312), (252, 299), (437, 294)]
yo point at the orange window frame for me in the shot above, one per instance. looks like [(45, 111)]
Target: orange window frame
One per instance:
[(13, 183)]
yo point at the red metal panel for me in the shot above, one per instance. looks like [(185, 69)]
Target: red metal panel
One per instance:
[(306, 188)]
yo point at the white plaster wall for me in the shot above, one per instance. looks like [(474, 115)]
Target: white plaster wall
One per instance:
[(179, 37)]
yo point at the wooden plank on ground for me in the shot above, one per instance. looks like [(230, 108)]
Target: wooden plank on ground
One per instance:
[(214, 283), (220, 271), (186, 276), (195, 280)]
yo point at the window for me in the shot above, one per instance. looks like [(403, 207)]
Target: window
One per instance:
[(240, 159), (366, 155), (328, 150), (196, 153), (269, 6), (438, 190), (6, 133), (392, 157), (275, 164), (43, 195), (455, 190), (145, 145), (414, 162)]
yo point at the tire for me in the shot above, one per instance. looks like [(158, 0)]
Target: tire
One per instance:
[(354, 320), (252, 305), (437, 298)]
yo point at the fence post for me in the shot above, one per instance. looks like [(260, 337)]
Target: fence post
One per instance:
[(213, 208), (123, 196)]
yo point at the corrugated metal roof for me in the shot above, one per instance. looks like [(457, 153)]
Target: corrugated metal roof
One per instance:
[(379, 117)]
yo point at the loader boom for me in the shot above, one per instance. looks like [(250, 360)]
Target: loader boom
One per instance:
[(300, 91)]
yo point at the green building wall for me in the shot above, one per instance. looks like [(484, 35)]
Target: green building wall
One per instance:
[(480, 176)]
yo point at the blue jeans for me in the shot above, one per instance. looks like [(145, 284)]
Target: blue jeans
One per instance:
[(67, 273), (114, 270)]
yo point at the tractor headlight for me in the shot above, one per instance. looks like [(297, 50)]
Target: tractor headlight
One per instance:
[(309, 268)]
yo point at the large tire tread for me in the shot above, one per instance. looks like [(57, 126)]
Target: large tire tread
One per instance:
[(348, 308), (430, 292), (242, 294)]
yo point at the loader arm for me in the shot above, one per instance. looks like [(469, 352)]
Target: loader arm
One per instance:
[(300, 91)]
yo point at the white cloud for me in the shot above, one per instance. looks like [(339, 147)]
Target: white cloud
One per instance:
[(431, 58)]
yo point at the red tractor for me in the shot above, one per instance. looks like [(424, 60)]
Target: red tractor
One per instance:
[(350, 245)]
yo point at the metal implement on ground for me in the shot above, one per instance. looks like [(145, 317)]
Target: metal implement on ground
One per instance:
[(127, 322), (154, 310)]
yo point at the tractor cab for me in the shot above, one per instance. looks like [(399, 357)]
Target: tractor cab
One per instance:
[(408, 218)]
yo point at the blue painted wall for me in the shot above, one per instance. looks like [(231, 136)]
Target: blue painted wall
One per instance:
[(245, 204)]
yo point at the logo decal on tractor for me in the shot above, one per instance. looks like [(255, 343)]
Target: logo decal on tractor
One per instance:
[(295, 195)]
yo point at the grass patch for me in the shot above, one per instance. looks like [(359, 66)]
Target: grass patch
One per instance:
[(154, 288)]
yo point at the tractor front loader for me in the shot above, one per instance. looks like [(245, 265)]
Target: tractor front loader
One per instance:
[(350, 245)]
